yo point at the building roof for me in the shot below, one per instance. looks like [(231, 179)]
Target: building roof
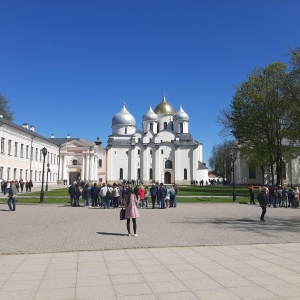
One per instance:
[(124, 117), (164, 108), (23, 129)]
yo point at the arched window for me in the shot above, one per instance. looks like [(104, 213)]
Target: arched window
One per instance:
[(125, 130), (181, 127), (138, 173), (151, 126), (172, 126), (185, 174), (165, 125), (139, 140), (168, 164), (74, 162), (121, 173), (150, 173)]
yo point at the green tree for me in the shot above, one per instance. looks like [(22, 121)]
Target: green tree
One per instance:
[(5, 109), (220, 159), (264, 114)]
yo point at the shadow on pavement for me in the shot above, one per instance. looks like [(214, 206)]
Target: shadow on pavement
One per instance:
[(112, 233)]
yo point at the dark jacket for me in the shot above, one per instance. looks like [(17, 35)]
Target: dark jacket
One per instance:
[(263, 198)]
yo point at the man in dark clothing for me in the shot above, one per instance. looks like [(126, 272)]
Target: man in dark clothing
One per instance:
[(94, 194), (153, 193), (263, 199)]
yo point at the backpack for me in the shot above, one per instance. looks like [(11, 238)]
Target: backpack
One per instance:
[(108, 193), (172, 192), (162, 192)]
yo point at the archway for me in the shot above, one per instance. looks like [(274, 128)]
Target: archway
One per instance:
[(167, 178)]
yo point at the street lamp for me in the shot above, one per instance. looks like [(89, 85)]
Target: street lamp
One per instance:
[(44, 152), (48, 170), (233, 159)]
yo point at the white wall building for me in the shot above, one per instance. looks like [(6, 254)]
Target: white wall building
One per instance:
[(163, 151), (69, 159), (21, 154)]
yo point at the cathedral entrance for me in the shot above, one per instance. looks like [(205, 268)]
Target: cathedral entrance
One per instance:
[(167, 178), (74, 176)]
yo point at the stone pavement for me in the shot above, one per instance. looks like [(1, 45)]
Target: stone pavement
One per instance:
[(196, 251)]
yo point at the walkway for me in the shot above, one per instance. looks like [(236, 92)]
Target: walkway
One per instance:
[(196, 251)]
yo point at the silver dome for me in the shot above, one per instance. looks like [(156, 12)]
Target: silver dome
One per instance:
[(181, 115), (150, 115), (124, 117)]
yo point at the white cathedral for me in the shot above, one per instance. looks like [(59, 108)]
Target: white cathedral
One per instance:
[(163, 151)]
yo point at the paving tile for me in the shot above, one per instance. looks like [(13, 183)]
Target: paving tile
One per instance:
[(21, 285), (217, 294), (27, 276), (93, 280), (202, 284), (91, 292), (159, 277), (168, 287), (91, 265), (123, 270), (58, 283), (138, 297), (284, 290), (128, 278), (190, 275), (132, 289), (55, 294), (62, 266), (229, 282), (178, 296), (17, 295), (253, 292)]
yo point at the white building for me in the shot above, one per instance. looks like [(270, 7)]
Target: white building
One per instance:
[(21, 154), (66, 159), (163, 151)]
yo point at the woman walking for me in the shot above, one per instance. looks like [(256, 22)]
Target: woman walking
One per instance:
[(131, 211)]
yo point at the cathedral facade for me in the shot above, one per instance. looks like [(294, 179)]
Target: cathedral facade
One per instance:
[(163, 151)]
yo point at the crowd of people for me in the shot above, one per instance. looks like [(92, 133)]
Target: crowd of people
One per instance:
[(274, 196), (107, 195), (20, 184)]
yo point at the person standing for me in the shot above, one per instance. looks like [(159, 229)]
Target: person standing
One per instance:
[(30, 185), (12, 196), (263, 199), (86, 193), (162, 196), (141, 194), (251, 192), (131, 211), (153, 193), (94, 194), (21, 185)]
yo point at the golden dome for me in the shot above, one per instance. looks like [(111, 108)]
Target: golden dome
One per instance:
[(164, 108)]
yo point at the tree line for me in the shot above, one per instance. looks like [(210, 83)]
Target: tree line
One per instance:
[(263, 119)]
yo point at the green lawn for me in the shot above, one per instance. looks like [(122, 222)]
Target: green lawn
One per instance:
[(224, 194)]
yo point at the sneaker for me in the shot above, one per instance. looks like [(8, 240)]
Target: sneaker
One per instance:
[(129, 234), (89, 206), (135, 234)]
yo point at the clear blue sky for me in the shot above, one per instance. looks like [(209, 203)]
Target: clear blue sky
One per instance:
[(67, 66)]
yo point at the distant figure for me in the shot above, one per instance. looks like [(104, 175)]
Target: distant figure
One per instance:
[(251, 192), (12, 196), (263, 199)]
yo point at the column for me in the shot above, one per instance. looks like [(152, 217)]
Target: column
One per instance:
[(82, 175), (87, 173), (65, 167)]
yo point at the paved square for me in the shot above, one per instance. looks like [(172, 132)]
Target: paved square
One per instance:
[(196, 251)]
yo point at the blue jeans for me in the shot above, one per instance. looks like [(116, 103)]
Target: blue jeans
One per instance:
[(106, 202), (13, 200), (87, 202), (175, 201), (162, 203)]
